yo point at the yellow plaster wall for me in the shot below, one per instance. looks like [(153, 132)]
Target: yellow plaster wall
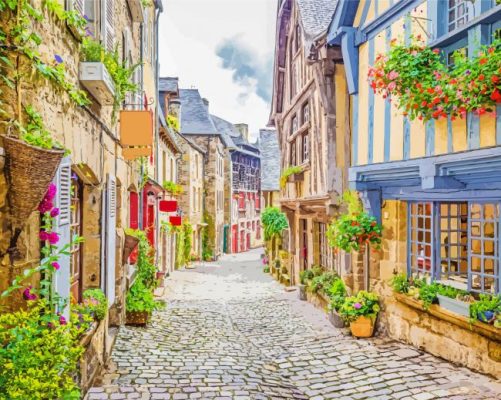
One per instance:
[(459, 138), (487, 130), (358, 16), (441, 136), (397, 120), (341, 111), (363, 105), (379, 106)]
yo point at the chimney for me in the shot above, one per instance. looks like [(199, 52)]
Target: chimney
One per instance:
[(244, 131), (206, 103)]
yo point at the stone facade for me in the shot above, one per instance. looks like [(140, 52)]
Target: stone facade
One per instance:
[(97, 166)]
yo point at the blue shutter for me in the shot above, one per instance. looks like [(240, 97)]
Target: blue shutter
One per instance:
[(62, 278)]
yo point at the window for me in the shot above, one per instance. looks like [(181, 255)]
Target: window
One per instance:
[(297, 38), (305, 147), (459, 12), (294, 124), (293, 80), (76, 229), (457, 243), (293, 153), (305, 112), (323, 247)]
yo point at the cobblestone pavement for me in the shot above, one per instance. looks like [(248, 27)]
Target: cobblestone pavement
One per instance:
[(231, 332)]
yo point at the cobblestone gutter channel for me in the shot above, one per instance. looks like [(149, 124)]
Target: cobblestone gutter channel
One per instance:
[(229, 332)]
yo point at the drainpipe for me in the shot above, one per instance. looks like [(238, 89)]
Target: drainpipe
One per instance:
[(141, 170)]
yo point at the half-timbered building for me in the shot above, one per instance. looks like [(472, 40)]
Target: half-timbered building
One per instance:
[(310, 112)]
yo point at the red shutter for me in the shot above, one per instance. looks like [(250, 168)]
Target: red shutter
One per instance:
[(134, 210)]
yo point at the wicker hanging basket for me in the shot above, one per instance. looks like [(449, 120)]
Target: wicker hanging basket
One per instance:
[(129, 246), (29, 171)]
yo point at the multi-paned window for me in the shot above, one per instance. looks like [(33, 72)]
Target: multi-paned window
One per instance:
[(323, 247), (297, 38), (293, 160), (458, 13), (305, 147), (294, 124), (457, 243), (305, 111)]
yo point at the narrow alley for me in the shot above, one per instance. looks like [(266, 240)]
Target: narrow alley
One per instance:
[(229, 331)]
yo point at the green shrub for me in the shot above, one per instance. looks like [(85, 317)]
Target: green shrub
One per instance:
[(140, 298), (39, 355), (305, 276), (484, 304), (337, 294), (400, 283), (317, 270), (274, 222), (428, 294), (96, 301)]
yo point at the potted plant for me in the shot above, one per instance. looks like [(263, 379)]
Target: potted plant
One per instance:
[(291, 174), (360, 312), (487, 309), (173, 188), (140, 304), (132, 237), (454, 300), (337, 294), (304, 277)]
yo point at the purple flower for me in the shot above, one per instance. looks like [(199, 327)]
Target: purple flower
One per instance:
[(54, 212), (74, 176), (62, 320), (51, 192), (357, 306), (58, 58), (86, 18), (467, 72), (27, 295), (55, 265), (53, 238), (45, 206), (50, 325), (44, 236)]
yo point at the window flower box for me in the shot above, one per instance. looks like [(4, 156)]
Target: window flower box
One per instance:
[(175, 220), (136, 10), (97, 80), (168, 205), (299, 177), (453, 305)]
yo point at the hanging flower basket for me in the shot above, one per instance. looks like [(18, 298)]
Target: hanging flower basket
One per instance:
[(29, 171), (167, 205), (175, 220), (129, 246)]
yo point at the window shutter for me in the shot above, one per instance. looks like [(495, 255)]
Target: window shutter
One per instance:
[(76, 5), (62, 277), (109, 238), (107, 25)]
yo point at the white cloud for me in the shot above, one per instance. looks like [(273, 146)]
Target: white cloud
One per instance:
[(190, 33)]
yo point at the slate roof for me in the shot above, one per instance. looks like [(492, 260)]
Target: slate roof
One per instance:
[(170, 133), (316, 15), (195, 118), (231, 135), (168, 84), (270, 160)]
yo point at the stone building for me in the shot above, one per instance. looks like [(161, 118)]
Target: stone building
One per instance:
[(270, 167), (99, 182), (197, 126), (242, 197), (310, 112), (435, 186)]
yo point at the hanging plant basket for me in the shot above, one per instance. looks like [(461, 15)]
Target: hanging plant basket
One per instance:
[(29, 171), (129, 246)]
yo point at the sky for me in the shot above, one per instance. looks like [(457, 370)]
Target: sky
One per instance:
[(225, 49)]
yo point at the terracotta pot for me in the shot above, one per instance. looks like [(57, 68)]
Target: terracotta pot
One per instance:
[(362, 327), (302, 292), (160, 278), (335, 319), (129, 246), (137, 318)]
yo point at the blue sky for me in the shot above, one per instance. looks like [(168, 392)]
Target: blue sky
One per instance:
[(225, 49)]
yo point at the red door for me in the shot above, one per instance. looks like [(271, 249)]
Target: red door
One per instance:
[(234, 239), (150, 226), (134, 220)]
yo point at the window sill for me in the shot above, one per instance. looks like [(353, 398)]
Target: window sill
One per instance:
[(436, 311)]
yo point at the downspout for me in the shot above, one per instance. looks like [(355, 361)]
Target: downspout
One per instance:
[(141, 170)]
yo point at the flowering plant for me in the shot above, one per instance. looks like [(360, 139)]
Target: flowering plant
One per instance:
[(289, 171), (355, 228), (425, 88), (364, 304)]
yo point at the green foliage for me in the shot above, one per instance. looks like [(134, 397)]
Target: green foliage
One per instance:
[(337, 293), (351, 230), (81, 319), (428, 294), (274, 222), (93, 51), (266, 269), (137, 233), (317, 270), (39, 355), (363, 304), (292, 170), (173, 122), (208, 238), (140, 298), (400, 283), (173, 188), (305, 276), (146, 269), (485, 304), (188, 231), (97, 303), (34, 132), (322, 283)]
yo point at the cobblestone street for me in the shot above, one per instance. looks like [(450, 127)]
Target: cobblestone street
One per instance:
[(230, 332)]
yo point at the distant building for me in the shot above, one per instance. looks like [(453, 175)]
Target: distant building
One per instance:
[(270, 167)]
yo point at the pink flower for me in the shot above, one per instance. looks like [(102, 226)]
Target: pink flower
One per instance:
[(357, 306), (51, 192), (27, 295), (45, 206), (393, 75), (53, 238), (62, 320), (392, 86), (54, 212), (44, 236), (55, 265)]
